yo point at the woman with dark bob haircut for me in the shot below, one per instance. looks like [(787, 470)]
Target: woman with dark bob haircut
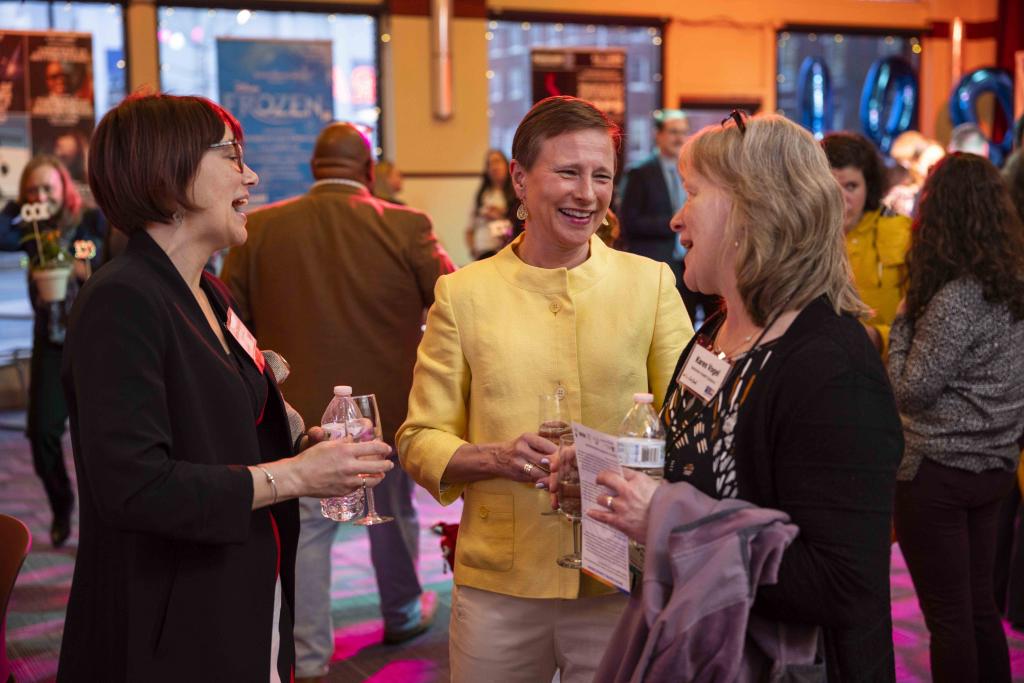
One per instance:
[(186, 473), (958, 374), (876, 241)]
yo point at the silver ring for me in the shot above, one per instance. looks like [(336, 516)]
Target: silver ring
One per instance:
[(609, 502), (527, 467)]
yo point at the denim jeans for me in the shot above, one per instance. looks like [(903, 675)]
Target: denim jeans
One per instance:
[(393, 550)]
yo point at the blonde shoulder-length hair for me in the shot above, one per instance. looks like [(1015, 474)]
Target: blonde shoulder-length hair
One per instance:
[(786, 218)]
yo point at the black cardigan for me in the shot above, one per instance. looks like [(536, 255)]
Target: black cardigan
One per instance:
[(819, 438), (176, 574)]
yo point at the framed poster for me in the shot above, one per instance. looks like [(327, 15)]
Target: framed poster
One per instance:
[(281, 93)]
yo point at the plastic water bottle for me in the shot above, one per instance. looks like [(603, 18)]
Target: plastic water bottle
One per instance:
[(642, 448), (340, 413), (642, 438)]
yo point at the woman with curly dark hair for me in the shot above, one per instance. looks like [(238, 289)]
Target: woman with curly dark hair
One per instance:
[(876, 240), (958, 376)]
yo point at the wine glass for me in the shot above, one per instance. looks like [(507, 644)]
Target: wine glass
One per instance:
[(569, 502), (554, 417), (367, 429)]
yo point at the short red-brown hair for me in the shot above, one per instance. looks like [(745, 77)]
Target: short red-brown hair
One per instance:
[(555, 116), (145, 153)]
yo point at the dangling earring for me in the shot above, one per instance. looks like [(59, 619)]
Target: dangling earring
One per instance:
[(178, 217), (522, 213), (604, 223)]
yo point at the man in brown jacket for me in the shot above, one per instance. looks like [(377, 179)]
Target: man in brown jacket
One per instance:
[(337, 281)]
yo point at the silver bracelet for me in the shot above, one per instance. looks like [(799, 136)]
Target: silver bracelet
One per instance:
[(270, 480)]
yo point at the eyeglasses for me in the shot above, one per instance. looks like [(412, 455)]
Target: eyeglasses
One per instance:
[(238, 158), (740, 118)]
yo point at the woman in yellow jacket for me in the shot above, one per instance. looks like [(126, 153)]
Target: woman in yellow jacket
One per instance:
[(876, 241), (556, 311)]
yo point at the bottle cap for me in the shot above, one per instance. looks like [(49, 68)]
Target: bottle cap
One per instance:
[(342, 390), (643, 398)]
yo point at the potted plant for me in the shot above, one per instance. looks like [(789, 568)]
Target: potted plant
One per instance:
[(50, 267)]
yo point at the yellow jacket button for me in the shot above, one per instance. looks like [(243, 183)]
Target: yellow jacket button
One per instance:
[(555, 307), (484, 512)]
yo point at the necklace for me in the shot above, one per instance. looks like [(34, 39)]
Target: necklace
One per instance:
[(722, 353)]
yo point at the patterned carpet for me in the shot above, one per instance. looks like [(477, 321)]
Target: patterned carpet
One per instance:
[(35, 616)]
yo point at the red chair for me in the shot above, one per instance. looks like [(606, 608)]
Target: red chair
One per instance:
[(15, 541)]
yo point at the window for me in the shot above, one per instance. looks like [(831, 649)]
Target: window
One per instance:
[(188, 52), (509, 45), (285, 74), (848, 58)]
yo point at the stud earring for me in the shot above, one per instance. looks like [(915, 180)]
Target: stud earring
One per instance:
[(522, 213)]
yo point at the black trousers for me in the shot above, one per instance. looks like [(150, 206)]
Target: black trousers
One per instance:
[(47, 413), (1009, 569), (946, 522)]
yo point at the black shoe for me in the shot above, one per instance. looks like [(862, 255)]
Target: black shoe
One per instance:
[(61, 530)]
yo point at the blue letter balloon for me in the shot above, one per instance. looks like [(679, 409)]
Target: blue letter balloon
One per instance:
[(963, 104), (891, 85), (814, 96)]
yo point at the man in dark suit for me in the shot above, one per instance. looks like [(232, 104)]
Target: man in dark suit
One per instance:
[(337, 281), (652, 193)]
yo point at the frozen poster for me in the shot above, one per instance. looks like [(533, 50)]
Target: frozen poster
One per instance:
[(281, 92)]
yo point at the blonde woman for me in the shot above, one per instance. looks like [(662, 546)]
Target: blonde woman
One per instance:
[(804, 420)]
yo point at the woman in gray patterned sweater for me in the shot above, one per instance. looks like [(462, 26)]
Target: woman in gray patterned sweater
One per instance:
[(957, 370)]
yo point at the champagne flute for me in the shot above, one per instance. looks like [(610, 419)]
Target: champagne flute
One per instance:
[(554, 417), (569, 501), (554, 422), (367, 429)]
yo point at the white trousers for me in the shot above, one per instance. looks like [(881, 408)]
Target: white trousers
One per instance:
[(503, 639)]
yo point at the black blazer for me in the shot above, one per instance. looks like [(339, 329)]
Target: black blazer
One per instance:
[(646, 211), (820, 438), (176, 575)]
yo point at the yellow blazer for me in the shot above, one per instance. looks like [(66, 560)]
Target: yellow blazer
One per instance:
[(877, 248), (500, 334)]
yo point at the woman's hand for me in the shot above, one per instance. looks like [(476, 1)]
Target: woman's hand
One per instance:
[(333, 468), (628, 505), (523, 459), (526, 458), (81, 269)]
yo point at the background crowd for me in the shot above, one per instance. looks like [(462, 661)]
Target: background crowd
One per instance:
[(867, 320)]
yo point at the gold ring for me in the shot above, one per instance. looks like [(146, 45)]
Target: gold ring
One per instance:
[(527, 467), (609, 501)]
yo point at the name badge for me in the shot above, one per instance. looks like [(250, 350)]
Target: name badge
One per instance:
[(245, 339), (703, 373)]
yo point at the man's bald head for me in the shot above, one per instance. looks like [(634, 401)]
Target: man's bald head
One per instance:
[(342, 151)]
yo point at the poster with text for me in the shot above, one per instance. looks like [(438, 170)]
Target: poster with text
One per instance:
[(280, 91), (46, 102), (596, 75)]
